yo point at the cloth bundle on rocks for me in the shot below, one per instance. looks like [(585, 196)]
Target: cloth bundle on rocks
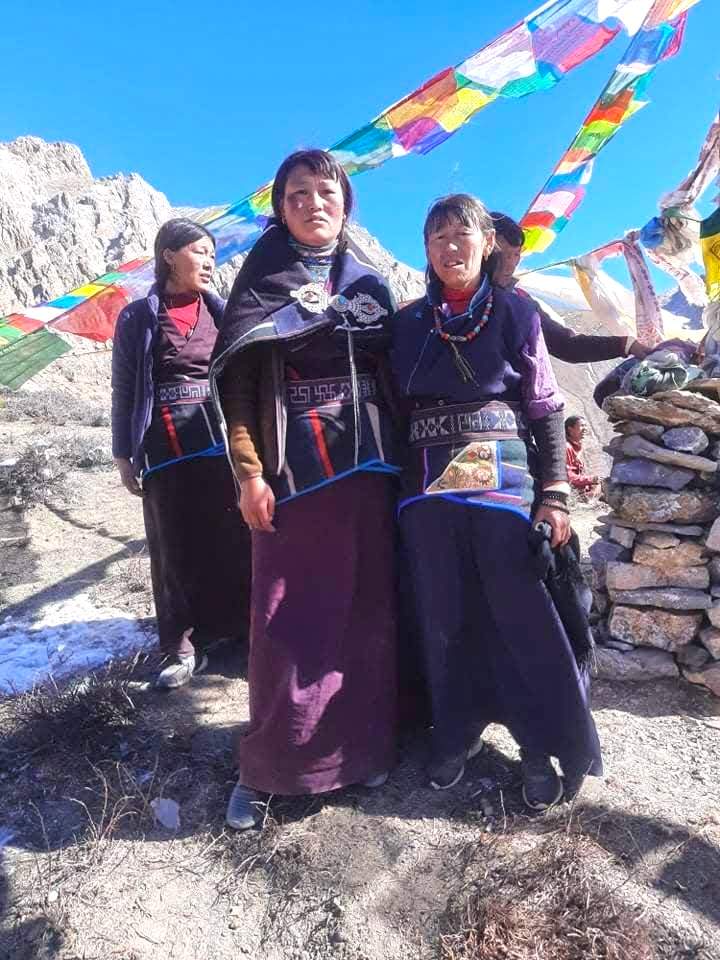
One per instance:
[(656, 568), (669, 367)]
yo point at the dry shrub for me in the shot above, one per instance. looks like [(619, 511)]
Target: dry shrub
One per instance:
[(43, 465), (53, 407), (79, 719), (545, 905)]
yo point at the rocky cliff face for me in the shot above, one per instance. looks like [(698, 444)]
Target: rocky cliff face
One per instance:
[(59, 227)]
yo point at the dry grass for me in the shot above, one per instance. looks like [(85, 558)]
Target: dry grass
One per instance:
[(548, 904), (42, 466), (48, 406)]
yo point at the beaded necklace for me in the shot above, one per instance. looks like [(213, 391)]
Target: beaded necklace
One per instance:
[(452, 339)]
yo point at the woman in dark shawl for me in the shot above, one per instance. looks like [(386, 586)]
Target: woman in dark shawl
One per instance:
[(471, 359), (166, 437), (298, 379)]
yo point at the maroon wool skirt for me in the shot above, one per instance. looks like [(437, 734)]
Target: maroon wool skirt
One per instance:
[(322, 669), (199, 549)]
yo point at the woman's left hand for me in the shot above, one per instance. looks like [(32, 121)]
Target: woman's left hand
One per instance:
[(559, 521)]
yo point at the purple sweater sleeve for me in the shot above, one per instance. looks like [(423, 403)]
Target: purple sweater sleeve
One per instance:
[(123, 386), (540, 391), (577, 347)]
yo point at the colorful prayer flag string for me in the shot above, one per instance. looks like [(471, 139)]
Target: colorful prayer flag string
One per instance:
[(659, 38)]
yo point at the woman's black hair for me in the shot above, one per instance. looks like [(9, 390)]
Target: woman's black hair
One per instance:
[(508, 229), (174, 235), (463, 207), (319, 162)]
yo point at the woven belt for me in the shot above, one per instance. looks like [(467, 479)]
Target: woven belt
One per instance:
[(465, 422), (185, 391), (307, 394)]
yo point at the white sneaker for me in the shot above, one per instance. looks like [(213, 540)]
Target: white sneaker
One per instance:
[(180, 671), (244, 808), (379, 780)]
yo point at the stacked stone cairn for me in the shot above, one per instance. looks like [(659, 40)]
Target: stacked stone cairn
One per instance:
[(656, 568)]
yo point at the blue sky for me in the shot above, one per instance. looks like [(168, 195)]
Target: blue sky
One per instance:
[(204, 100)]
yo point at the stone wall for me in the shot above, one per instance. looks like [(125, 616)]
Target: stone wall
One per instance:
[(656, 568)]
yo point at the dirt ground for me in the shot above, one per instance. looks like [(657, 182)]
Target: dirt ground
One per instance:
[(398, 873)]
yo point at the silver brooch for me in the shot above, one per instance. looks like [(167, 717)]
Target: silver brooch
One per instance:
[(312, 296)]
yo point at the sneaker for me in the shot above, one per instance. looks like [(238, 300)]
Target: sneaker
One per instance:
[(377, 781), (542, 787), (243, 809), (451, 771), (180, 671)]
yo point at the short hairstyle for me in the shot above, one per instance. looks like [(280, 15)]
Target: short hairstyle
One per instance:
[(174, 235), (322, 164), (508, 229), (572, 421), (457, 206)]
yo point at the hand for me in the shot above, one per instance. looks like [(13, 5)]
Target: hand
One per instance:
[(257, 504), (639, 350), (127, 476), (559, 522)]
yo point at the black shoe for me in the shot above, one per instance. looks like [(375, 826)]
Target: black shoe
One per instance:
[(447, 773), (542, 787)]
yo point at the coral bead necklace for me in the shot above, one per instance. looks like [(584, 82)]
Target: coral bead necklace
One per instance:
[(452, 339), (466, 337)]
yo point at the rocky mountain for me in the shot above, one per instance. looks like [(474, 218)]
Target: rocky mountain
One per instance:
[(60, 227)]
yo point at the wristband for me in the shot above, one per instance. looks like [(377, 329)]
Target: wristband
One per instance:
[(559, 495), (554, 505)]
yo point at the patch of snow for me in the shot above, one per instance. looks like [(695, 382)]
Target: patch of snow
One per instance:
[(69, 637)]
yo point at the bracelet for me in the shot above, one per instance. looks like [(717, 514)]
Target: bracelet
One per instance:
[(554, 505), (558, 495)]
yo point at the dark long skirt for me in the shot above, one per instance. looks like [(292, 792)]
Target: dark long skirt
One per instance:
[(199, 552), (322, 669), (494, 648)]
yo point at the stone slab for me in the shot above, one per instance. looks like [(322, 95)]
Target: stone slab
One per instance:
[(640, 447), (643, 506), (642, 664), (686, 554), (666, 409), (661, 541), (684, 439), (625, 536), (630, 428), (708, 677), (637, 576), (713, 613), (678, 529), (693, 656), (662, 629), (668, 598), (647, 473), (710, 639), (712, 541)]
